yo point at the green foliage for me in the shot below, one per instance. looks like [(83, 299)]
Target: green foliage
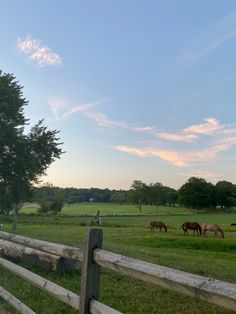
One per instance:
[(51, 200), (44, 206), (225, 194), (197, 193), (24, 157)]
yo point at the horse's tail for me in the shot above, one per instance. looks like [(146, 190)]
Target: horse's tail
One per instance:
[(165, 227)]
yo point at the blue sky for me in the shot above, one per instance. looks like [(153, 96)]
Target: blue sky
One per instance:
[(140, 90)]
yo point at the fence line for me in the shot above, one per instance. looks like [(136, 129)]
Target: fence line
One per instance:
[(211, 290), (61, 250), (16, 303), (52, 288)]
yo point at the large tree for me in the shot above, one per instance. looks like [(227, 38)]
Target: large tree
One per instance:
[(225, 194), (24, 157), (197, 193)]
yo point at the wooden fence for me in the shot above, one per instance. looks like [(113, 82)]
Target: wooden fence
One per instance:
[(93, 257)]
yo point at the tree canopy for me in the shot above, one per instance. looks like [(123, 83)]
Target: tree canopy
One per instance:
[(24, 157), (197, 193)]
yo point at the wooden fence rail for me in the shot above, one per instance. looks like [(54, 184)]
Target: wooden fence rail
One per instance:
[(93, 257)]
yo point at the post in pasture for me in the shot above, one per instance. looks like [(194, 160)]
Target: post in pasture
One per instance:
[(90, 277)]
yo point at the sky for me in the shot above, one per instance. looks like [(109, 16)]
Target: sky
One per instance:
[(140, 90)]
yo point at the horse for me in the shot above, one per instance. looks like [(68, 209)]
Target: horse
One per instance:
[(212, 228), (157, 224), (193, 226)]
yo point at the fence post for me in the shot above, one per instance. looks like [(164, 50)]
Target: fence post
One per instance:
[(90, 277)]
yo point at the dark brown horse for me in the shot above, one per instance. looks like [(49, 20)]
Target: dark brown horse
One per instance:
[(192, 226), (157, 224)]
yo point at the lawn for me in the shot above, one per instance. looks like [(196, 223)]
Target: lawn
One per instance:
[(85, 209), (129, 235)]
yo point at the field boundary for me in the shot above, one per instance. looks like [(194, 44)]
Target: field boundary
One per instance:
[(93, 257)]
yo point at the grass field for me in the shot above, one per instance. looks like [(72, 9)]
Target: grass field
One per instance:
[(84, 209), (126, 231)]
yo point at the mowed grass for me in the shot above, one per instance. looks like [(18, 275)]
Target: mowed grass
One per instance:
[(130, 235), (88, 209)]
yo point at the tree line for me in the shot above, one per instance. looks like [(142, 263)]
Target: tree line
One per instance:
[(196, 193)]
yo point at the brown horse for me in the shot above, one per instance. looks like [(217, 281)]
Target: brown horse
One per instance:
[(192, 226), (212, 228), (157, 224)]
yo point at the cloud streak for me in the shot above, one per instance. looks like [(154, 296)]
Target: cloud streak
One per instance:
[(176, 158), (103, 121), (37, 52), (211, 126), (215, 36), (62, 108)]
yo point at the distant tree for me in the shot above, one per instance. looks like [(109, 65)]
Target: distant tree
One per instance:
[(24, 157), (153, 193), (57, 201), (157, 194), (172, 196), (138, 193), (44, 206), (197, 193), (49, 198), (225, 195), (119, 197)]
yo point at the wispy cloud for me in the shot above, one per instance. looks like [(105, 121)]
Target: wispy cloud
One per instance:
[(170, 156), (38, 52), (146, 129), (177, 158), (63, 108), (222, 138), (201, 173), (103, 121), (177, 137), (211, 126), (192, 132), (215, 36)]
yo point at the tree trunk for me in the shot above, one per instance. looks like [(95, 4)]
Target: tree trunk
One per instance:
[(16, 208)]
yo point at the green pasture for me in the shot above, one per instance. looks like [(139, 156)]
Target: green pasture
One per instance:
[(110, 209), (126, 231)]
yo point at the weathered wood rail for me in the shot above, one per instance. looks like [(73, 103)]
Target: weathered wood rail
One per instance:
[(93, 258)]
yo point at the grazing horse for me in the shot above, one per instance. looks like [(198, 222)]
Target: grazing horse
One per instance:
[(157, 224), (193, 226), (212, 228)]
